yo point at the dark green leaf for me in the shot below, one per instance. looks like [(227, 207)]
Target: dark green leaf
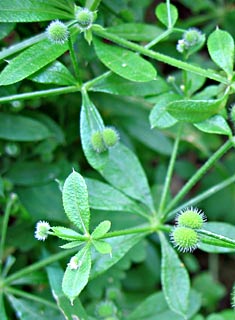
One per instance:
[(162, 14), (220, 228), (1, 187), (55, 275), (3, 315), (75, 280), (117, 85), (75, 201), (104, 197), (175, 279), (30, 173), (20, 128), (34, 10), (159, 117), (101, 229), (136, 31), (216, 124), (195, 110), (5, 29), (221, 49), (31, 60), (124, 62), (56, 73)]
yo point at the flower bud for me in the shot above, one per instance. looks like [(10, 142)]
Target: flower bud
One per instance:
[(185, 239), (110, 137), (42, 230), (57, 32), (84, 18), (192, 37)]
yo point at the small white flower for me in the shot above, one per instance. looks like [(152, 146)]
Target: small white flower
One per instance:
[(74, 263), (42, 229)]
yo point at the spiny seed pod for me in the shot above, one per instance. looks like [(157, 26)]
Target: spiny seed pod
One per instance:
[(84, 18), (185, 239), (97, 142), (191, 218), (57, 32), (42, 230), (110, 137), (192, 37), (106, 309)]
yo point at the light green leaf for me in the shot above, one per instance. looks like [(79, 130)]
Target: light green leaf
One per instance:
[(195, 110), (102, 196), (120, 246), (159, 117), (101, 229), (31, 60), (30, 173), (215, 124), (221, 49), (162, 14), (175, 279), (75, 201), (55, 275), (124, 62), (72, 244), (102, 246), (115, 84), (75, 280), (221, 228), (5, 29), (66, 233), (34, 10), (136, 31), (56, 73), (21, 128)]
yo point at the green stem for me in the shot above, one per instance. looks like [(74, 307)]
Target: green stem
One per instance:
[(168, 4), (4, 226), (92, 4), (32, 297), (216, 236), (213, 262), (158, 56), (88, 85), (170, 171), (217, 243), (38, 265), (204, 195), (74, 61), (198, 175), (162, 36), (39, 94)]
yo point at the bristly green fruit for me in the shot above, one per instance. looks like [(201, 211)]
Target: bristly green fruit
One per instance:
[(84, 18), (184, 239), (110, 137), (191, 218), (97, 142), (57, 32), (192, 37)]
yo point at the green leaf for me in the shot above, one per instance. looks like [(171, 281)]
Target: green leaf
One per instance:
[(30, 173), (221, 49), (216, 124), (75, 280), (162, 14), (3, 315), (1, 187), (55, 276), (175, 279), (21, 128), (55, 73), (75, 201), (124, 62), (102, 246), (5, 29), (31, 60), (34, 10), (221, 228), (101, 229), (120, 246), (194, 110), (104, 197), (72, 244), (117, 85), (159, 117), (136, 31), (66, 233)]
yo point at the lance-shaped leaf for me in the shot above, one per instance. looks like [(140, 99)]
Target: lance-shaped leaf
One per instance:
[(175, 279), (101, 229), (124, 62), (75, 201), (216, 124), (195, 110), (67, 233), (76, 275), (34, 10), (221, 49), (102, 246)]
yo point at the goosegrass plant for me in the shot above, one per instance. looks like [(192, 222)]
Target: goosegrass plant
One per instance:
[(117, 129)]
